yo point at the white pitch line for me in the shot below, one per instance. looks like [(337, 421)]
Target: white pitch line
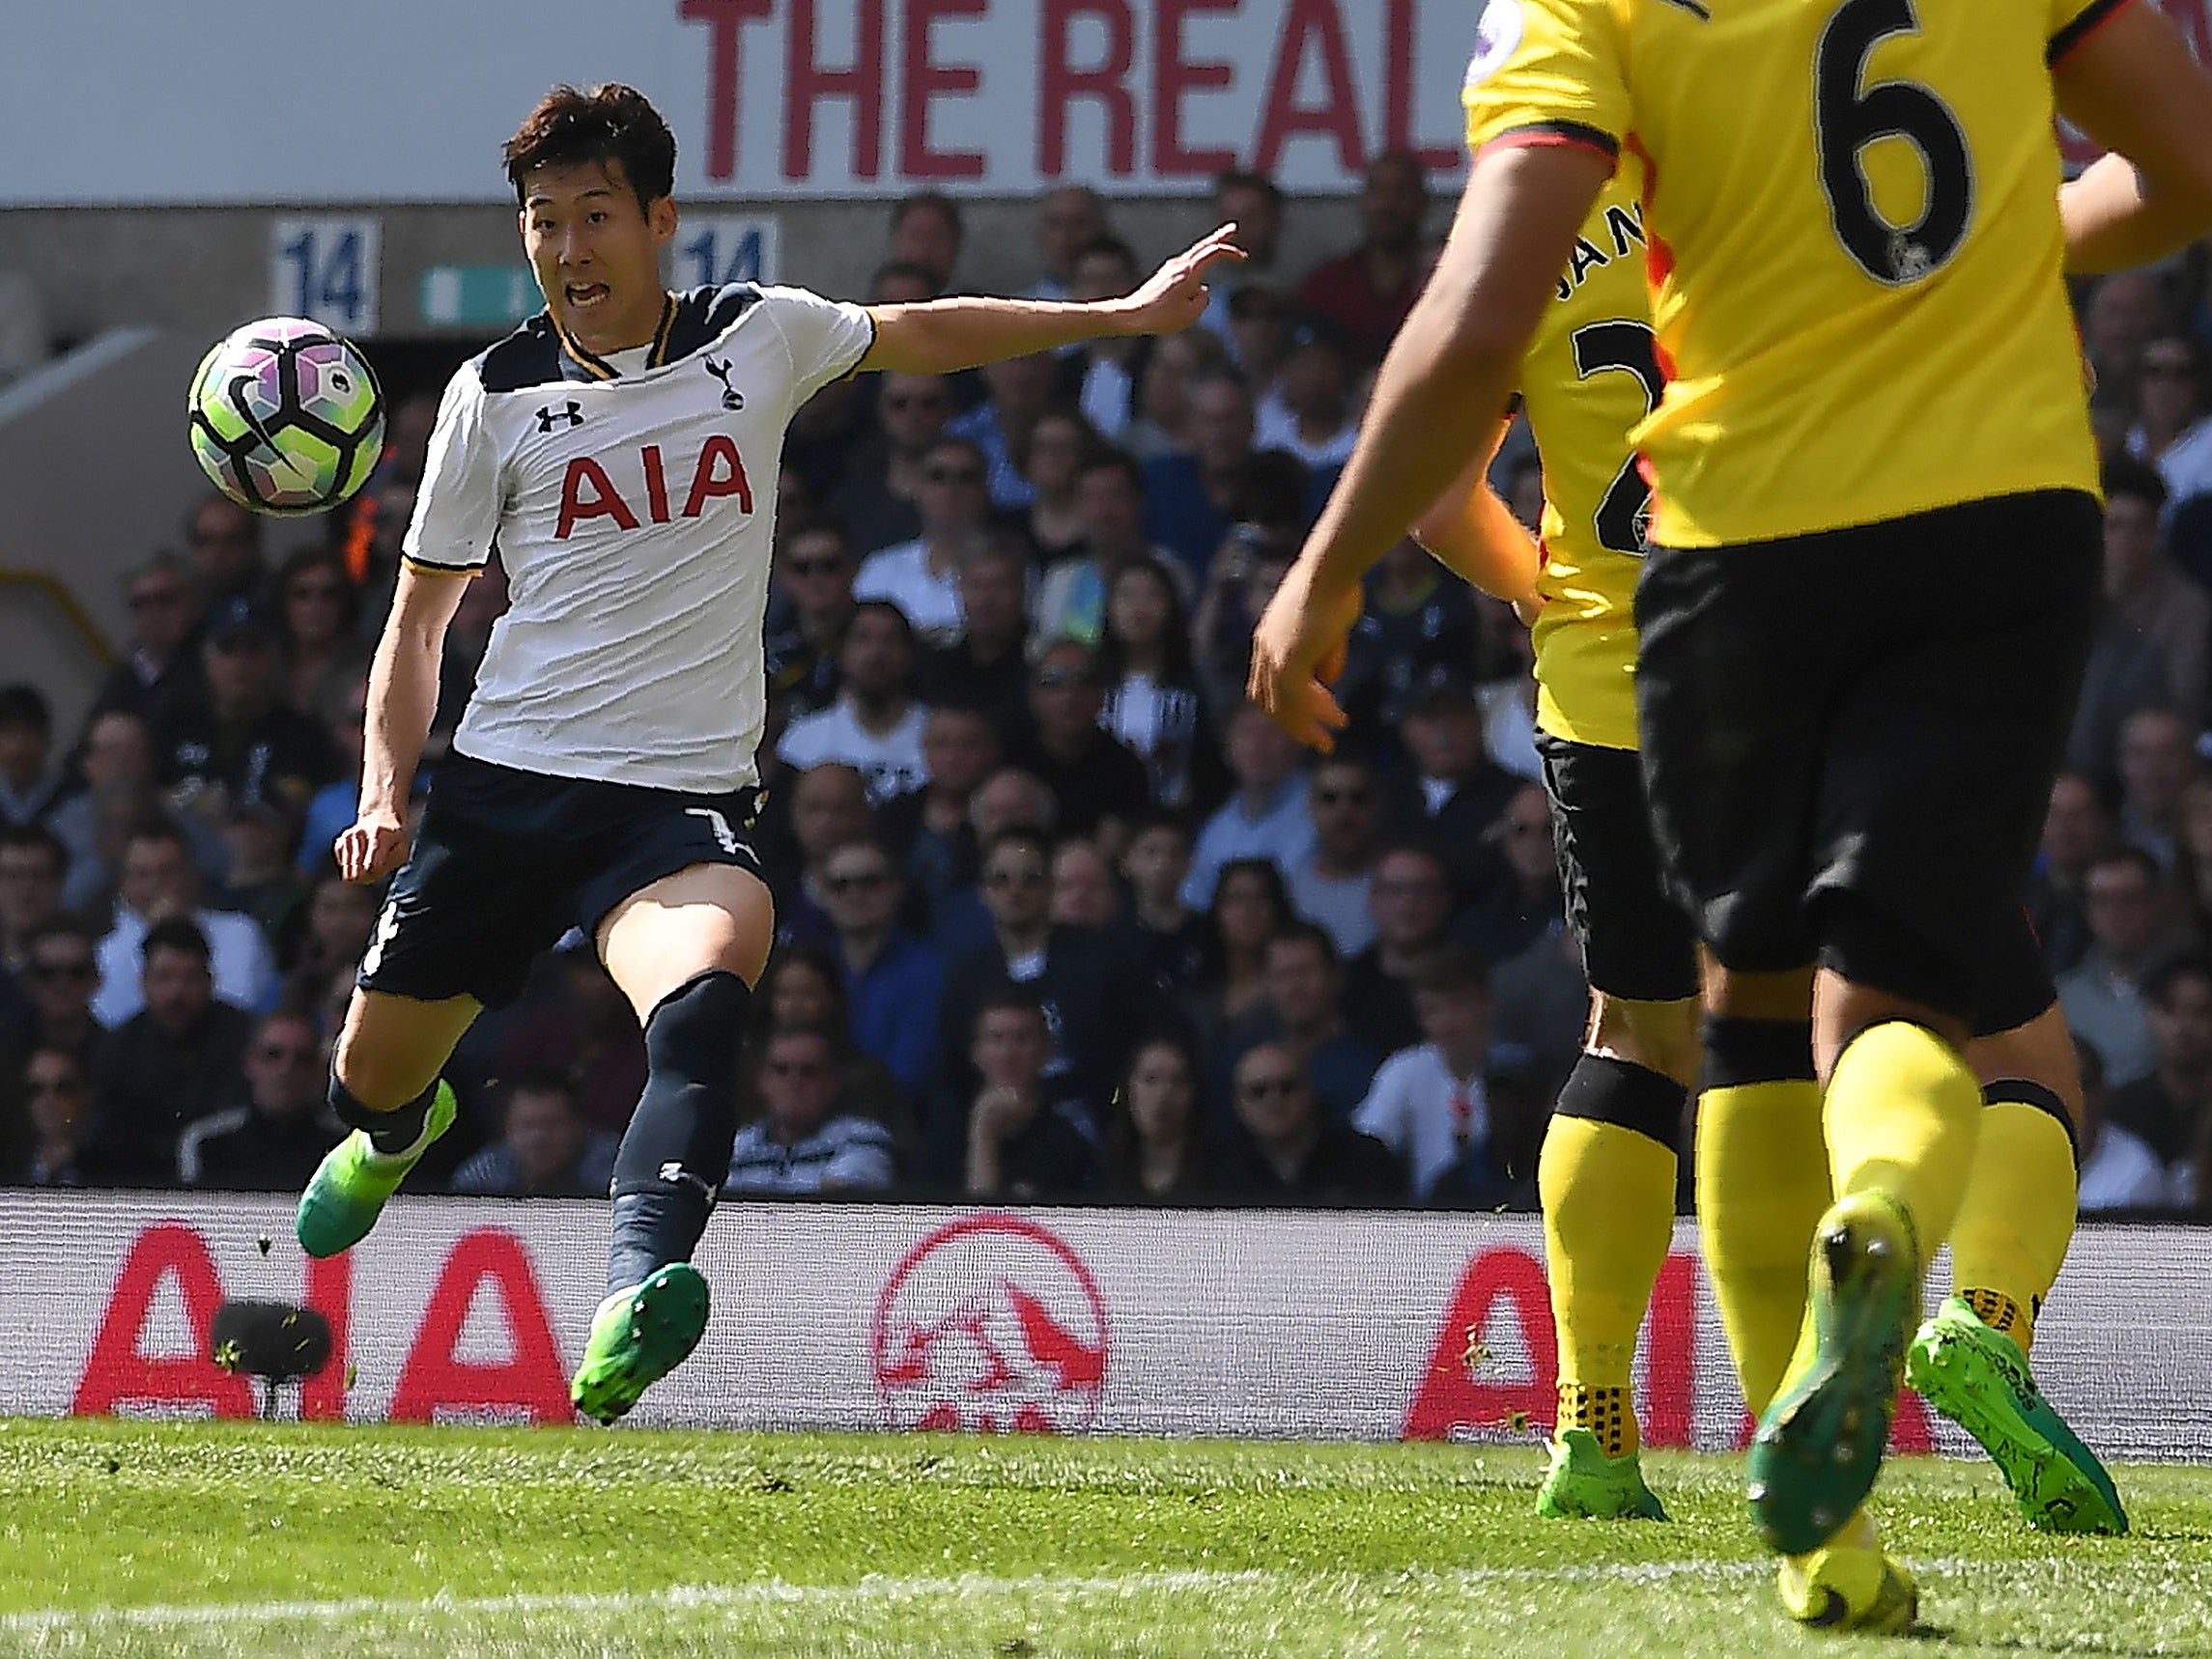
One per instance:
[(778, 1594)]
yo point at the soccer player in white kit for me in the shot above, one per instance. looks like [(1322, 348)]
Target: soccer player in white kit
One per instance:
[(621, 450)]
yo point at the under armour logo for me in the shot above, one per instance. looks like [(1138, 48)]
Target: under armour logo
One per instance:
[(572, 416), (731, 396)]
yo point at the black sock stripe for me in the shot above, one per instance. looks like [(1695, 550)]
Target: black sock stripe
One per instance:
[(2026, 1091), (1738, 1051), (355, 1115), (1603, 1089)]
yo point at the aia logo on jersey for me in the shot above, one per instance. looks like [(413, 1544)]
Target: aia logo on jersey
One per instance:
[(993, 1324), (587, 490)]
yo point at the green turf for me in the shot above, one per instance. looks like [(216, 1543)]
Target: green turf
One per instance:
[(125, 1539)]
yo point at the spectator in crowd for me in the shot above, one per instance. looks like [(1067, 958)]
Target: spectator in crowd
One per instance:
[(1060, 445), (1068, 221), (802, 1145), (30, 776), (1157, 1150), (2122, 313), (1021, 391), (1368, 291), (985, 667), (2130, 666), (1110, 366), (2076, 830), (830, 431), (875, 725), (1412, 899), (172, 1062), (33, 864), (2174, 403), (58, 976), (330, 809), (1292, 1152), (926, 232), (1110, 497), (1191, 496), (243, 744), (801, 986), (894, 984), (1462, 791), (1260, 321), (270, 1141), (1021, 1143), (318, 615), (1249, 907), (2148, 593), (224, 542), (2168, 1108), (1429, 1103), (160, 880), (1523, 492), (160, 671), (1254, 204), (1303, 1013), (1521, 902), (1173, 935), (260, 881), (2118, 1171), (573, 1018), (1329, 884), (1151, 693), (928, 828), (1091, 775), (2157, 762), (922, 576), (815, 569), (59, 1149), (901, 282), (1265, 817), (829, 808), (2102, 996), (2195, 862), (547, 1149), (876, 497), (1162, 423), (1418, 622), (1540, 1009), (116, 759), (1082, 891), (1311, 413)]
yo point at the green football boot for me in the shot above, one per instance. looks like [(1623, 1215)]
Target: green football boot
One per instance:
[(1583, 1483), (637, 1337), (348, 1190), (1979, 1379), (1820, 1442)]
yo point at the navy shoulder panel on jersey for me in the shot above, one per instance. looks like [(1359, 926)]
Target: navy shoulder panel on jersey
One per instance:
[(704, 314), (529, 356)]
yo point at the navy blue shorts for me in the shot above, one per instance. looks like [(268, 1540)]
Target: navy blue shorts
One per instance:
[(506, 861), (1637, 942)]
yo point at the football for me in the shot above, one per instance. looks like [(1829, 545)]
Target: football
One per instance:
[(286, 417)]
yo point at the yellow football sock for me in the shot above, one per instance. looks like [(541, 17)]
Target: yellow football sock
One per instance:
[(2017, 1217), (1608, 1216), (1903, 1114), (1761, 1183)]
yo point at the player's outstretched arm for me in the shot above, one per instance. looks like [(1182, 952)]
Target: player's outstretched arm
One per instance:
[(403, 697), (2131, 84), (965, 332), (1435, 402), (1473, 534)]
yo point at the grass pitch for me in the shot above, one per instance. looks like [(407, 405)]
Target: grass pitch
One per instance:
[(132, 1539)]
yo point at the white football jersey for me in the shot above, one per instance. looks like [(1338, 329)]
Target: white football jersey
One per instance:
[(634, 513)]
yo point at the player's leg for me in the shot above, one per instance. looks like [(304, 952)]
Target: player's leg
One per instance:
[(686, 949), (1607, 1169)]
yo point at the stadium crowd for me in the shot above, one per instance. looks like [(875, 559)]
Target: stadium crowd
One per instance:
[(1060, 915)]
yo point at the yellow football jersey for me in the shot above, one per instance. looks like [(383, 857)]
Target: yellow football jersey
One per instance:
[(1853, 212)]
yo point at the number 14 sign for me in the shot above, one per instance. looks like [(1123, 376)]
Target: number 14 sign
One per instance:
[(325, 270)]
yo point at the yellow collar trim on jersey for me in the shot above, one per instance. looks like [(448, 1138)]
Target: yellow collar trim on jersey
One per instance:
[(597, 366)]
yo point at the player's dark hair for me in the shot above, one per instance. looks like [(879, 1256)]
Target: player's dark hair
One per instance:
[(176, 933), (611, 123), (1111, 457), (1010, 999), (885, 608), (542, 1080), (2159, 983), (1304, 932), (929, 201), (1109, 246), (1242, 178), (2125, 475)]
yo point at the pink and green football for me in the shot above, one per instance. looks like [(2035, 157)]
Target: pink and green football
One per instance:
[(286, 417)]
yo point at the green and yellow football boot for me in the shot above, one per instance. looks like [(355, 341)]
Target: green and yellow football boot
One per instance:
[(348, 1190)]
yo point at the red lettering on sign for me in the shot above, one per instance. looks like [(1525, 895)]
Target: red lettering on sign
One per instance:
[(1335, 115), (721, 472), (530, 1380), (1060, 83), (1450, 1394), (926, 80), (604, 503), (725, 21), (1173, 78), (1399, 61), (1670, 1349), (117, 1373), (330, 1293), (807, 83)]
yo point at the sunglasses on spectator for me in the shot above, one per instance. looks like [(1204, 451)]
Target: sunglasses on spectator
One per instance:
[(1263, 1088), (1342, 796), (1024, 876), (857, 881), (955, 475), (1053, 679), (815, 567)]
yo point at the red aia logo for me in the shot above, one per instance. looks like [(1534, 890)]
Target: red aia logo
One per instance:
[(990, 1324), (586, 492)]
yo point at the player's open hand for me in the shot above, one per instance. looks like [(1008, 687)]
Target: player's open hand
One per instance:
[(1175, 295), (1296, 650), (373, 848)]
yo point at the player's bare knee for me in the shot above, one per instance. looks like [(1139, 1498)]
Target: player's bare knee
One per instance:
[(2040, 1053), (1658, 1036), (388, 1051)]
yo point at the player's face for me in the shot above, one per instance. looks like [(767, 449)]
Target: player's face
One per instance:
[(596, 252)]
